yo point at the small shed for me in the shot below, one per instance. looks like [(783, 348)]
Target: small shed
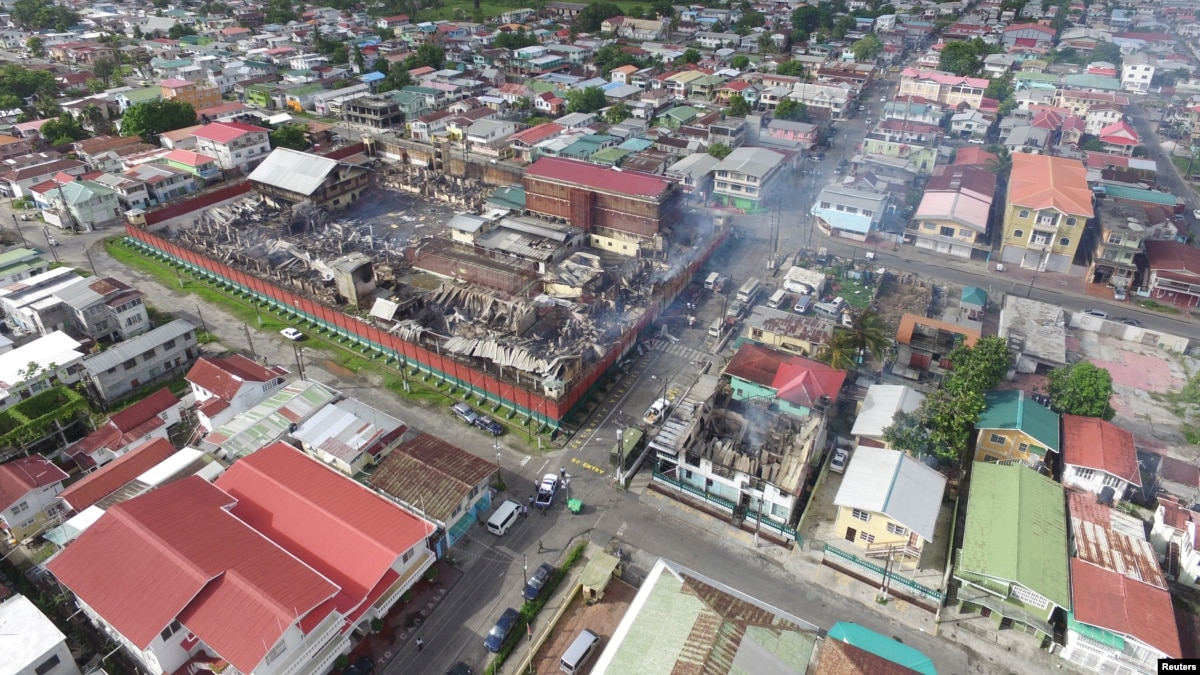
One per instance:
[(599, 571)]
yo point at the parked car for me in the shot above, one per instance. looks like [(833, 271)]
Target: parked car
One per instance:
[(546, 491), (657, 411), (463, 412), (488, 424), (1127, 321), (840, 457), (363, 665), (1096, 313), (1119, 294), (292, 334), (459, 668), (504, 625), (537, 581), (1196, 214)]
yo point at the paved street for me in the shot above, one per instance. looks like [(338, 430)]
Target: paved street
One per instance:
[(1168, 173)]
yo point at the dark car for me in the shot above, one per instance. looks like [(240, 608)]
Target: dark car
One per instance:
[(495, 637), (363, 665), (459, 668), (538, 581), (489, 425), (1128, 322)]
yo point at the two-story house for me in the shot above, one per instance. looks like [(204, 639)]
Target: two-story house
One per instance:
[(33, 644), (946, 88), (80, 205), (1014, 427), (1098, 456), (225, 387), (923, 344), (878, 410), (1123, 228), (743, 178), (954, 213), (1049, 203), (269, 569), (849, 212), (787, 331), (201, 94), (802, 133), (888, 504), (201, 166), (104, 309), (28, 496), (149, 419), (163, 181), (350, 436), (142, 360), (1012, 568), (1137, 71), (490, 137), (233, 144), (785, 382), (131, 192)]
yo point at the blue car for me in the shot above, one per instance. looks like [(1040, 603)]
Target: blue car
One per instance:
[(495, 637), (489, 425), (538, 581)]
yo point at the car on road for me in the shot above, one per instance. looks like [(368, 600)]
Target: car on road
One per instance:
[(537, 581), (489, 425), (841, 457), (1127, 321), (1096, 313), (292, 334), (504, 625), (657, 411), (463, 412), (1196, 214), (546, 491)]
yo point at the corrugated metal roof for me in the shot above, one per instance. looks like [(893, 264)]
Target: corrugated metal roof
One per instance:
[(431, 475), (268, 421), (294, 171), (894, 484), (882, 403), (133, 347)]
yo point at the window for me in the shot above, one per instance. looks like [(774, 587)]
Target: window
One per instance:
[(1064, 242), (276, 651), (169, 344), (946, 231), (1071, 222), (867, 537), (897, 530), (1023, 214), (1084, 474), (1030, 598), (47, 665), (1017, 234), (20, 508), (861, 515), (997, 439), (170, 630), (130, 364), (407, 555), (1113, 482), (1023, 448)]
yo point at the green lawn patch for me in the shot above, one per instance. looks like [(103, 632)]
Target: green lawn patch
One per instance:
[(1154, 306)]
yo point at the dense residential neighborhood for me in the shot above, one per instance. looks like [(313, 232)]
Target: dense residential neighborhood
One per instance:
[(834, 337)]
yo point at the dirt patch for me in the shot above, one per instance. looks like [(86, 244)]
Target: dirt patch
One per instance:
[(601, 618), (902, 294)]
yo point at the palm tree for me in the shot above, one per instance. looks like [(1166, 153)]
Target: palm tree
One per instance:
[(839, 353), (865, 335), (1002, 164), (94, 117)]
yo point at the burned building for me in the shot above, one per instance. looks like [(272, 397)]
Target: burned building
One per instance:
[(622, 211), (288, 177)]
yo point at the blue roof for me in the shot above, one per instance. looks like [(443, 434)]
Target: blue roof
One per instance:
[(372, 76), (841, 220), (636, 144), (882, 646)]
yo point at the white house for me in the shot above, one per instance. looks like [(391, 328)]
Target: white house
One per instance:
[(225, 387), (233, 144), (142, 360), (1173, 536), (28, 486), (878, 410), (1137, 70), (1098, 455), (30, 644), (146, 420)]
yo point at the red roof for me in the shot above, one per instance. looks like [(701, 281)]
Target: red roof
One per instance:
[(345, 531), (1036, 27), (24, 475), (585, 174), (1171, 257), (974, 155), (177, 553), (224, 132), (224, 377), (795, 379), (1119, 133), (114, 475), (221, 109), (1121, 605), (188, 158), (536, 134), (1092, 443)]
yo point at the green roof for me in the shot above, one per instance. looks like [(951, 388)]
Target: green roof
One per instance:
[(1030, 76), (973, 295), (882, 646), (143, 95), (1140, 195), (683, 113), (1014, 410), (509, 196), (17, 255), (1089, 81), (1095, 634), (610, 156), (1016, 530)]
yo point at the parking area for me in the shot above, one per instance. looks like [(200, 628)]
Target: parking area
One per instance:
[(601, 618)]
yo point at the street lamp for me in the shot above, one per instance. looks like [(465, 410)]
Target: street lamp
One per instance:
[(620, 453)]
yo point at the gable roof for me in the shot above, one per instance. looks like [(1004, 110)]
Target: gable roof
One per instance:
[(1096, 444), (224, 132), (145, 409), (225, 376), (794, 378), (114, 475), (1179, 260), (843, 658), (881, 645), (1016, 530), (231, 586), (881, 405), (294, 171), (25, 474), (431, 474), (586, 175), (894, 484), (1042, 181), (188, 158), (343, 530), (1118, 604), (1010, 409)]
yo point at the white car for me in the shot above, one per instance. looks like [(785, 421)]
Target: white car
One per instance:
[(656, 411), (840, 457), (292, 334), (1196, 214)]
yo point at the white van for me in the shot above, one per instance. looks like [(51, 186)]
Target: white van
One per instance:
[(504, 517), (577, 655), (749, 290), (715, 329), (711, 280), (778, 298)]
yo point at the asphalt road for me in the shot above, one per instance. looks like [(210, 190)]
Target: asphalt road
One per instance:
[(1168, 173)]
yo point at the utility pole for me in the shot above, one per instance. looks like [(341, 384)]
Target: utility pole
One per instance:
[(50, 244), (20, 231), (250, 342), (91, 262), (203, 325), (299, 360)]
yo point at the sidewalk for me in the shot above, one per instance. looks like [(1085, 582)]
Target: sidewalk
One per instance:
[(403, 622)]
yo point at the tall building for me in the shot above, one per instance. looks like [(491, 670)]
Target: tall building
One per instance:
[(1048, 206)]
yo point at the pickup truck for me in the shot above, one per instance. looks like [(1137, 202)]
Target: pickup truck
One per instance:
[(656, 411), (546, 491)]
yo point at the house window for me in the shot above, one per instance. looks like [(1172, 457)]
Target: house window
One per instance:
[(895, 529), (1084, 474), (1023, 214), (867, 537), (1023, 448), (47, 665), (1029, 598), (947, 232), (861, 515), (1113, 482), (130, 364), (407, 555), (170, 630), (20, 508), (1064, 242), (1017, 234), (1071, 222), (997, 439)]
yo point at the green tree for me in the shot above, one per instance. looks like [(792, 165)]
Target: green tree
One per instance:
[(909, 432), (586, 100), (1001, 164), (360, 60), (792, 110), (741, 62), (397, 78), (590, 17), (738, 107), (1107, 51), (866, 334), (10, 102), (43, 15), (810, 18), (1081, 389), (866, 49), (24, 83), (154, 117), (290, 136), (980, 367), (749, 20), (719, 150), (36, 46), (62, 130), (791, 69), (103, 70), (663, 8), (95, 117), (689, 55), (617, 114), (427, 55), (514, 40), (340, 55), (960, 58), (179, 30)]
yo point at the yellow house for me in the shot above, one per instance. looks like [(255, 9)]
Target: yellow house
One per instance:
[(1048, 205), (888, 504), (787, 331), (943, 87), (1015, 427)]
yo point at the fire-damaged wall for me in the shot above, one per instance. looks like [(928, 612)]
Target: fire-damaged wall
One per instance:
[(586, 208), (442, 257)]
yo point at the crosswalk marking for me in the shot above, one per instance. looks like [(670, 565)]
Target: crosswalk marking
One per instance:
[(680, 350)]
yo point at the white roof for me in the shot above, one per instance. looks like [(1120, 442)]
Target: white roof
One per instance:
[(894, 484), (880, 406), (25, 635), (294, 171), (750, 161), (57, 348)]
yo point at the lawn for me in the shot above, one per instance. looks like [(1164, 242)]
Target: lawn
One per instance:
[(423, 389), (1182, 163), (463, 9)]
